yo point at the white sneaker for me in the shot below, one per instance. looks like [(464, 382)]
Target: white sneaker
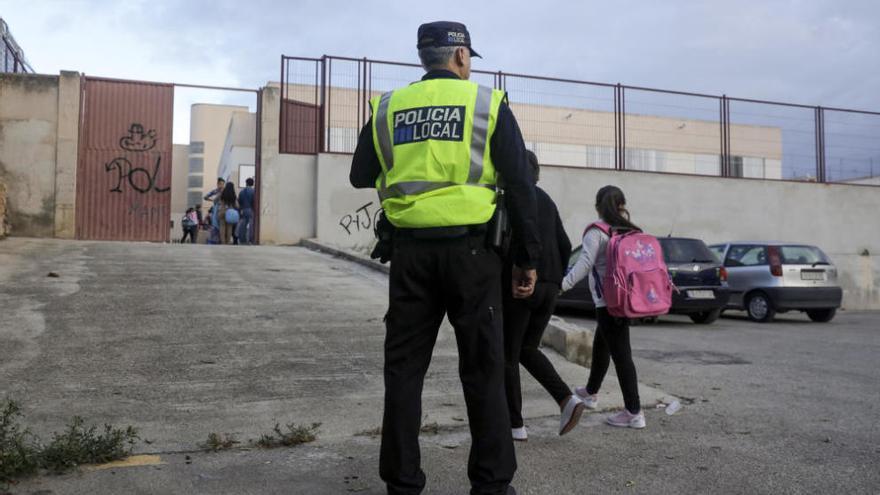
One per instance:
[(520, 434), (626, 419), (590, 401), (571, 414)]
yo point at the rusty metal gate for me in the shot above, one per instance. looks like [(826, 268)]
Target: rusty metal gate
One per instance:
[(123, 180)]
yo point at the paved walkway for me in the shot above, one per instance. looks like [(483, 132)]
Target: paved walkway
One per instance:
[(184, 340)]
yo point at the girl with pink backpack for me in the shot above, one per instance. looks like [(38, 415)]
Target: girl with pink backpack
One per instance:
[(611, 340)]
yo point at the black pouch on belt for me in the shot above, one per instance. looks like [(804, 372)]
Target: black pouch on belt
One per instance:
[(384, 232), (499, 227)]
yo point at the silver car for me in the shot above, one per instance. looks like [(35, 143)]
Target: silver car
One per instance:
[(766, 278)]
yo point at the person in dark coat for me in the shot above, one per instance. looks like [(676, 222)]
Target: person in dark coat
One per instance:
[(526, 319)]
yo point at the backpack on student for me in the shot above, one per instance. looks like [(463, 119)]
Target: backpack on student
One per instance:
[(232, 216), (187, 222), (636, 282)]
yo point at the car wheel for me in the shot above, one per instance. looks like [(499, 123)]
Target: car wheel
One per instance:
[(759, 308), (821, 315), (705, 317)]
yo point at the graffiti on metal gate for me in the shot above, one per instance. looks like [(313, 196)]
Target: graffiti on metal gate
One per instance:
[(137, 139), (140, 179)]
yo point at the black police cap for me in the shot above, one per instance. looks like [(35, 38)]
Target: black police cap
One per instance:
[(445, 33)]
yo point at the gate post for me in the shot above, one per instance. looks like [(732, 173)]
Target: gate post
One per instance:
[(66, 148)]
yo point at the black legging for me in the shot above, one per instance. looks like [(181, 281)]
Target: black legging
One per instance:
[(524, 324), (612, 340)]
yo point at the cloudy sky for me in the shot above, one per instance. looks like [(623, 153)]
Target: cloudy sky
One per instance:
[(805, 51)]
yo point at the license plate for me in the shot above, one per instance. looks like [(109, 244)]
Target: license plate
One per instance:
[(812, 275), (701, 294)]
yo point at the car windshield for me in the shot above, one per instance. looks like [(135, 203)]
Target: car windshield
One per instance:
[(803, 255), (686, 251)]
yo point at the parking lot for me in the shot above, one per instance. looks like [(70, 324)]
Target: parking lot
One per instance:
[(131, 334)]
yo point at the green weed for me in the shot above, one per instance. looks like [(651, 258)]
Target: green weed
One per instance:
[(295, 435)]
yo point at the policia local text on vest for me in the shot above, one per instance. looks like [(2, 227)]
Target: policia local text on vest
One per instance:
[(434, 151)]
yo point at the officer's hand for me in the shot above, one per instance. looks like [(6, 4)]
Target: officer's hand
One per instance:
[(523, 282)]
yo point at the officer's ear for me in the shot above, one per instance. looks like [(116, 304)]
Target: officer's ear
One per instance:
[(460, 56)]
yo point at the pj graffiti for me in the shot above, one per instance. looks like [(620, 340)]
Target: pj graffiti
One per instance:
[(362, 219)]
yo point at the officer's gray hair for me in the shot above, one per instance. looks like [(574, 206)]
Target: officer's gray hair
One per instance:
[(436, 57)]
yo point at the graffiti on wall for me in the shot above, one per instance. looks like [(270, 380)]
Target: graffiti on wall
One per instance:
[(140, 179), (362, 219)]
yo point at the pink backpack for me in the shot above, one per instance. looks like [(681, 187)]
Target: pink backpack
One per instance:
[(636, 282)]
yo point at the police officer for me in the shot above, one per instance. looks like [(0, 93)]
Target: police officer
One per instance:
[(433, 150)]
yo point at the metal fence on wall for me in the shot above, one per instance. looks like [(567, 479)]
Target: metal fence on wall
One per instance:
[(325, 102), (11, 55)]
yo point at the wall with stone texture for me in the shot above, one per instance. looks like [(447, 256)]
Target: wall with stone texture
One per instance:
[(28, 149)]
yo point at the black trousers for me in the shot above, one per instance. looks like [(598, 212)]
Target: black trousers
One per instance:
[(459, 278), (192, 232), (524, 324), (612, 342)]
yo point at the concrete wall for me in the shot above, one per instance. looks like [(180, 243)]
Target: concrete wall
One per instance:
[(179, 172), (28, 151), (238, 148), (66, 151), (179, 169), (834, 217), (868, 181), (345, 215), (287, 184)]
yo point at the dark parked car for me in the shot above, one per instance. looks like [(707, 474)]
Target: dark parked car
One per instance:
[(697, 273)]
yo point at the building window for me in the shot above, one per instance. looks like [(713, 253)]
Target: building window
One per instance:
[(195, 182), (736, 166), (193, 198), (705, 164), (196, 165), (245, 172), (196, 147), (646, 160), (753, 167)]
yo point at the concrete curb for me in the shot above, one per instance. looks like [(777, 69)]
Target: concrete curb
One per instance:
[(574, 343), (571, 341), (353, 256)]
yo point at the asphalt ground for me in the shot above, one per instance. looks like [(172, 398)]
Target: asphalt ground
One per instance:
[(182, 341)]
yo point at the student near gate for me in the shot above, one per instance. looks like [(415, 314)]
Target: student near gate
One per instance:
[(246, 203), (431, 150)]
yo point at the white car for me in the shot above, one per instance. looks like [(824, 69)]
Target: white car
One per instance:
[(766, 278)]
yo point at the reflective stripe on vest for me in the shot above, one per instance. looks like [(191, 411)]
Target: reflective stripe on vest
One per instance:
[(417, 187), (382, 131), (483, 106), (481, 130), (433, 140)]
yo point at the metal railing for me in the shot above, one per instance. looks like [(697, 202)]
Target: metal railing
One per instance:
[(325, 102), (11, 55)]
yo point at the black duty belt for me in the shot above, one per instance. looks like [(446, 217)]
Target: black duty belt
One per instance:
[(441, 232)]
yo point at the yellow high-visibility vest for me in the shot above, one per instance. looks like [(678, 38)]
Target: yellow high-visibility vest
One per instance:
[(432, 138)]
